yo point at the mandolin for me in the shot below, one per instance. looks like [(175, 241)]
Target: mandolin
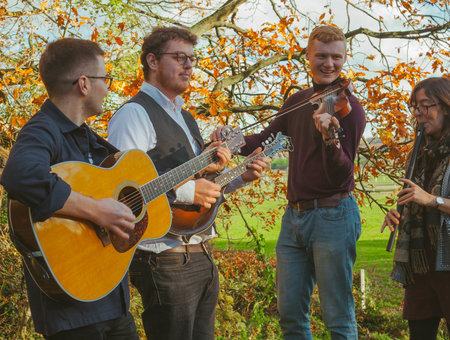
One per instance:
[(190, 220)]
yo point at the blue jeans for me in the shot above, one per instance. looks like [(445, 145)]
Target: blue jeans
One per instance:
[(318, 246), (179, 294)]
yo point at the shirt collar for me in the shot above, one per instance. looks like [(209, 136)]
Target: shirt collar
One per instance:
[(61, 120), (161, 98)]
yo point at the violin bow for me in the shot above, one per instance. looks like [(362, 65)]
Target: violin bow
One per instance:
[(296, 106)]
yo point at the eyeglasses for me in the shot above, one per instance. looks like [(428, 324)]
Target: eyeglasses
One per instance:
[(182, 58), (423, 109), (107, 79)]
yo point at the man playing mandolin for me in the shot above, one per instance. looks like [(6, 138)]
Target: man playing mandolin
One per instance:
[(176, 277), (73, 72), (319, 230)]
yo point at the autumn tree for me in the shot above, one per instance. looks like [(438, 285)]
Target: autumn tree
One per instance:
[(251, 59)]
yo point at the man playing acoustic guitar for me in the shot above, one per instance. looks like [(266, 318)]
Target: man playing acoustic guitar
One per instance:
[(177, 280), (73, 72)]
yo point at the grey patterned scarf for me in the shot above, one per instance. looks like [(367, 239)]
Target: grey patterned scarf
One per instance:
[(409, 257)]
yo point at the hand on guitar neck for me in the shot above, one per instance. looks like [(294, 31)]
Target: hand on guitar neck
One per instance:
[(223, 155), (207, 192), (256, 167), (107, 213)]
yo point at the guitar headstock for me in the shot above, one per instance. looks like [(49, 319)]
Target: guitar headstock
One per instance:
[(233, 139), (278, 144)]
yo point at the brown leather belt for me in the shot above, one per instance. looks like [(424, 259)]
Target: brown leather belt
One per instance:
[(190, 248), (331, 201), (184, 249)]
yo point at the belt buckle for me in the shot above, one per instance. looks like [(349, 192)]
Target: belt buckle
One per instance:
[(296, 205)]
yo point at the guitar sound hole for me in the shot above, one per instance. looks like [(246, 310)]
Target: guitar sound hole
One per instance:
[(132, 198)]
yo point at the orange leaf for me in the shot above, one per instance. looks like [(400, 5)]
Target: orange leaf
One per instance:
[(94, 35)]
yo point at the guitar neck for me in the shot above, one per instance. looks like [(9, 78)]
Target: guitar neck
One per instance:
[(230, 175), (180, 174)]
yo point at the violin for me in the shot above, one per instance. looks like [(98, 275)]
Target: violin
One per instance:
[(333, 100)]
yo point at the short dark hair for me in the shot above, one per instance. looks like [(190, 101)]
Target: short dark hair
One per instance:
[(63, 59), (156, 41), (326, 34)]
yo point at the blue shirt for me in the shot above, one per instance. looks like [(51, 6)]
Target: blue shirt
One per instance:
[(48, 138)]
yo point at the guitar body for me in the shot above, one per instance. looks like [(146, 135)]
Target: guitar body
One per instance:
[(73, 258), (190, 220)]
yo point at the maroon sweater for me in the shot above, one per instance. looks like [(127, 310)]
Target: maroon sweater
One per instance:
[(315, 170)]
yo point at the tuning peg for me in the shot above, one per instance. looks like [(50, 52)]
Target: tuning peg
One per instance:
[(227, 131)]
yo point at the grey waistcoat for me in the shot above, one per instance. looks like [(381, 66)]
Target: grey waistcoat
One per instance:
[(172, 147)]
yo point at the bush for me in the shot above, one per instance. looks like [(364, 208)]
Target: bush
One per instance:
[(247, 301), (279, 163), (15, 316)]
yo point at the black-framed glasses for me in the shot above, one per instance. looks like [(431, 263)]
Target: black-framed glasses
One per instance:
[(107, 79), (182, 58), (423, 109)]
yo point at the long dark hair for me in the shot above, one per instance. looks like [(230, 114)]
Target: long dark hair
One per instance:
[(437, 88)]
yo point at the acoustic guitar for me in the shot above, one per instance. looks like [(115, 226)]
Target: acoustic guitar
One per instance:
[(71, 258), (190, 220)]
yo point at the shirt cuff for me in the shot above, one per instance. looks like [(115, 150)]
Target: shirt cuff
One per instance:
[(235, 185), (54, 201), (185, 193)]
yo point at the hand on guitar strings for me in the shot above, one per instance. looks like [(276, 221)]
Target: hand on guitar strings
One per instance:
[(206, 192), (113, 216), (255, 168), (107, 213)]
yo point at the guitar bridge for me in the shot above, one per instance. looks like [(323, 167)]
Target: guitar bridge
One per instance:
[(102, 234)]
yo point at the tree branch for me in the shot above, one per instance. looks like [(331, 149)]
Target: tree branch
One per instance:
[(254, 68), (217, 17), (412, 34)]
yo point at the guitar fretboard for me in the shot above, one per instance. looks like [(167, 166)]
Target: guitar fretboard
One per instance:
[(174, 177)]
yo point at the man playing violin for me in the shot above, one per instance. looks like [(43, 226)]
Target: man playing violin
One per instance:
[(178, 280), (319, 230)]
